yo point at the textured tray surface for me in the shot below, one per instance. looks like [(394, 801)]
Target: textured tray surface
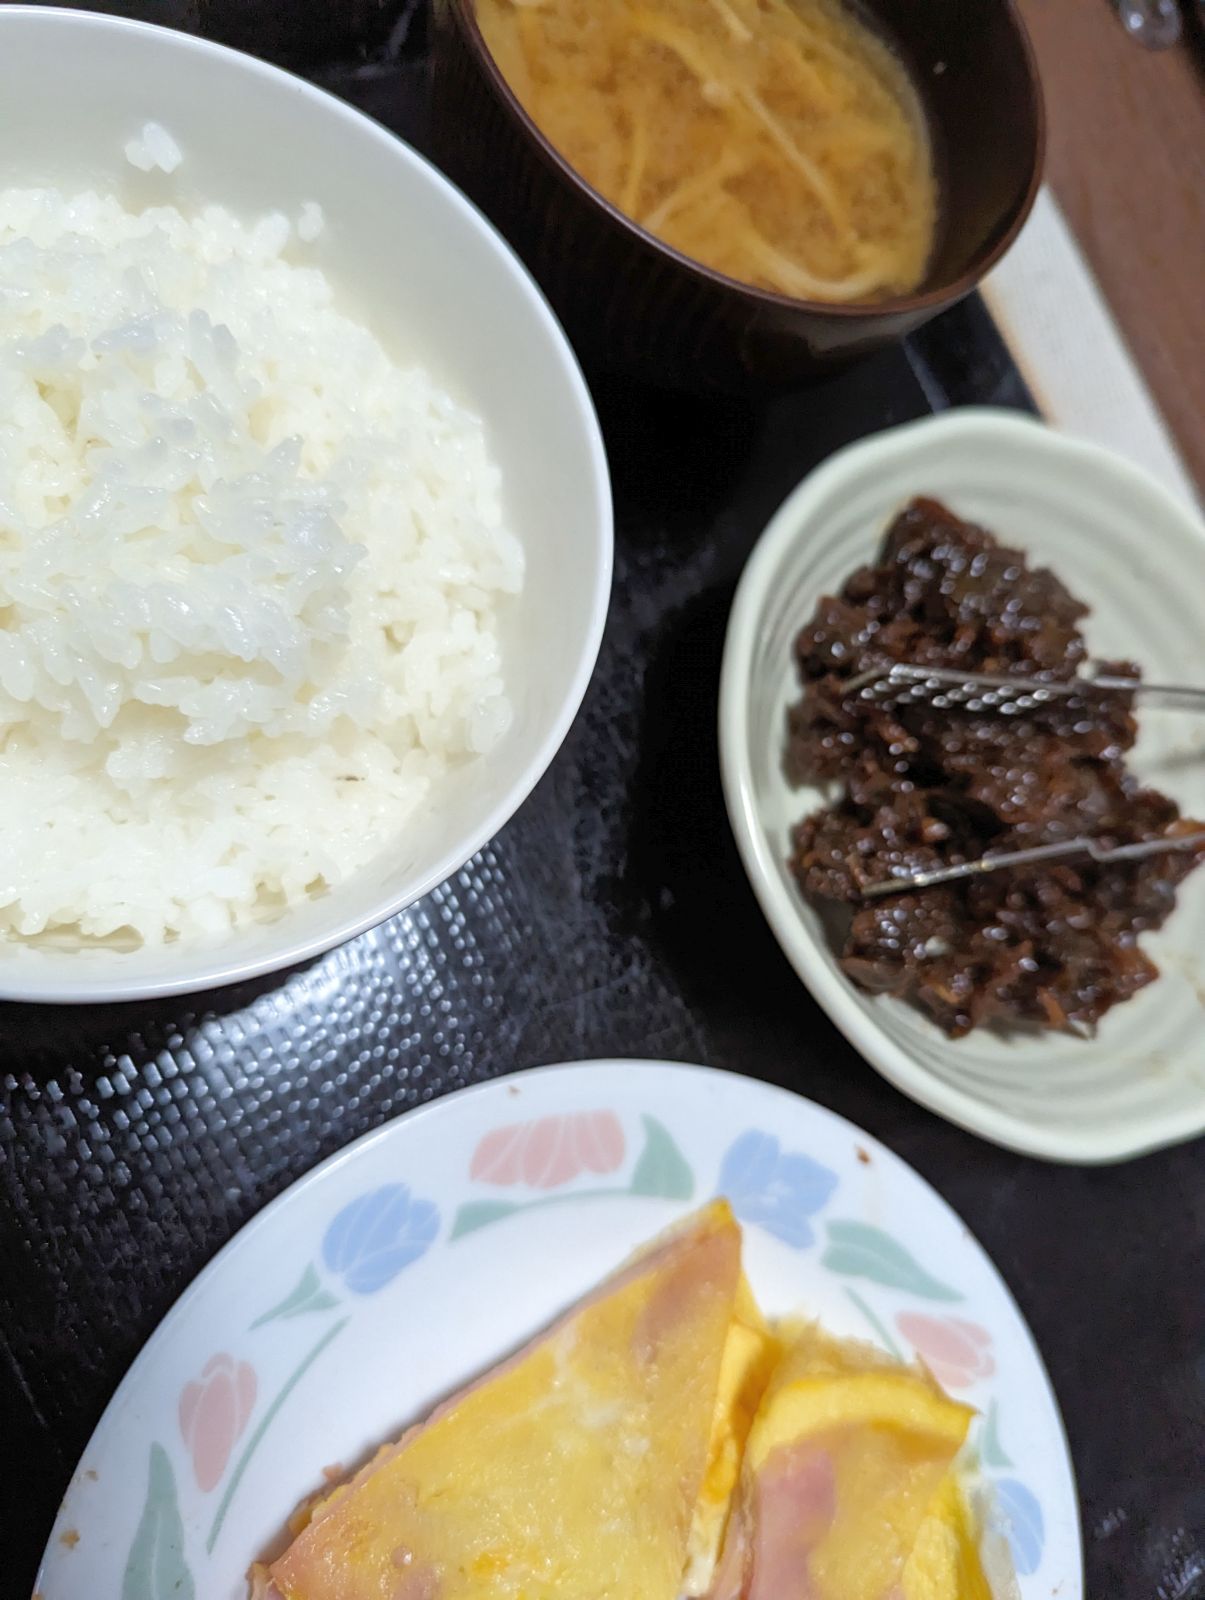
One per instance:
[(610, 918)]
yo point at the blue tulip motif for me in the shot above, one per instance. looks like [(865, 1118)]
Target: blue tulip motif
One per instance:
[(377, 1235), (776, 1189), (1017, 1514)]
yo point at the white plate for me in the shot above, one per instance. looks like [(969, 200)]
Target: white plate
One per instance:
[(1137, 557), (428, 1249)]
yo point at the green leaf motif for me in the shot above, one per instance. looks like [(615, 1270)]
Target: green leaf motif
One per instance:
[(856, 1250), (881, 1331), (309, 1295), (991, 1451), (479, 1214), (662, 1168), (156, 1568)]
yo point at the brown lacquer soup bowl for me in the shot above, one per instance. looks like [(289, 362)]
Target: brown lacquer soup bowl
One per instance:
[(630, 301)]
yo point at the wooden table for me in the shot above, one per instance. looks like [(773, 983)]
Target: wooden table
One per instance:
[(1126, 160)]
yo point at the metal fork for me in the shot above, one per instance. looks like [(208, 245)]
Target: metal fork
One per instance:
[(996, 859), (948, 688)]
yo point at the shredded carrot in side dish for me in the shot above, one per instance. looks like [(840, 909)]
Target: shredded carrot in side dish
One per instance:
[(779, 142)]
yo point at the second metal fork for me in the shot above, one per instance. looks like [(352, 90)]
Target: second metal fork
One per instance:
[(948, 688)]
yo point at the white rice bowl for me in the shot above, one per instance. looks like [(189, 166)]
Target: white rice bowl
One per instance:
[(251, 573)]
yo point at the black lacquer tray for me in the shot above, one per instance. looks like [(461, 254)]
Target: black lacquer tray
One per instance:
[(611, 917)]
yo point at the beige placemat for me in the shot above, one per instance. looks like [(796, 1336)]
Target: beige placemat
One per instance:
[(1047, 304)]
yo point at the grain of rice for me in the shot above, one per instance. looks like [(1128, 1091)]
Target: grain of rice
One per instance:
[(154, 148)]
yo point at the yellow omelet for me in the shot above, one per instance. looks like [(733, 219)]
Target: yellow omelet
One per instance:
[(944, 1563), (751, 1352), (661, 1440), (847, 1489), (572, 1472)]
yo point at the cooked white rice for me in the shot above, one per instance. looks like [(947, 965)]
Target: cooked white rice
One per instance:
[(154, 148), (249, 575)]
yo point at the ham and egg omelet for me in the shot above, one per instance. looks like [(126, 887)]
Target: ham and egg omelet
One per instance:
[(660, 1440)]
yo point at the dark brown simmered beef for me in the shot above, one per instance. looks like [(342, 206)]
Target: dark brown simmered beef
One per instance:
[(1054, 946)]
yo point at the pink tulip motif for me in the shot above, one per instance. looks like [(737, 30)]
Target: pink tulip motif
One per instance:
[(551, 1150), (958, 1353), (213, 1413)]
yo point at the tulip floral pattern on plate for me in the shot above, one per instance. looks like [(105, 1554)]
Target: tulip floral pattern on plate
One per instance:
[(366, 1245), (213, 1414), (776, 1189), (549, 1153), (958, 1353), (376, 1236)]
